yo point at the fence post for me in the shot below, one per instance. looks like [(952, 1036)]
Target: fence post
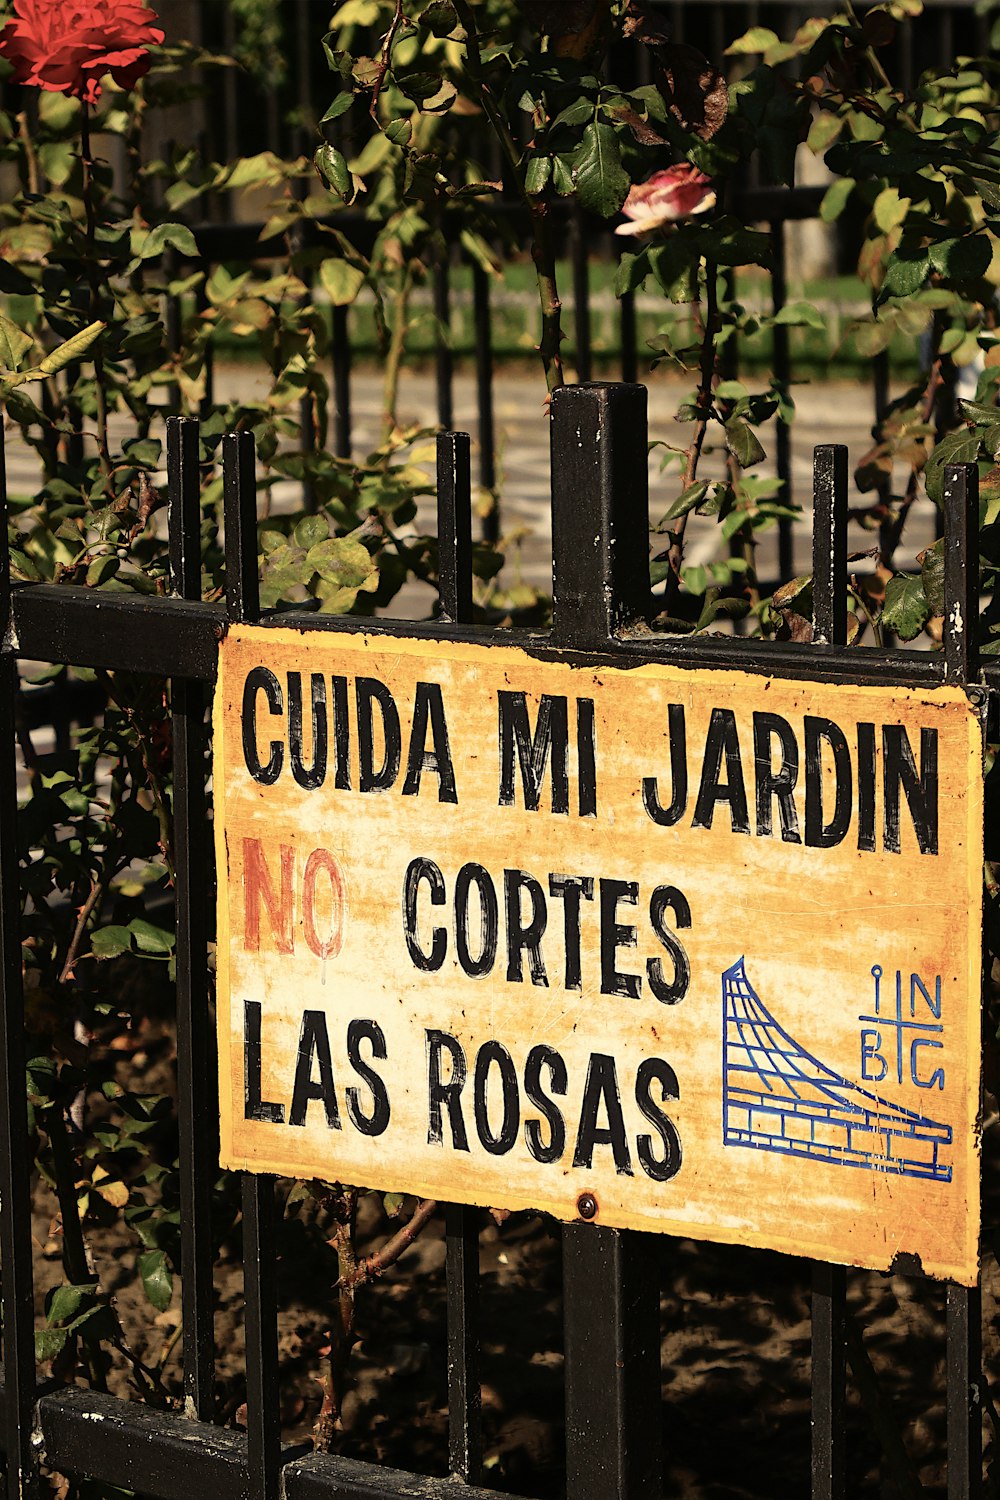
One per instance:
[(600, 570), (15, 1153), (600, 512)]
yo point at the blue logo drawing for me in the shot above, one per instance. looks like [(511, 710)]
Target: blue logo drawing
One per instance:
[(777, 1097)]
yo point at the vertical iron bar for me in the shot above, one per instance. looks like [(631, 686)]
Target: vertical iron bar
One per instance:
[(341, 383), (830, 545), (259, 1209), (484, 399), (782, 377), (581, 297), (600, 511), (443, 361), (260, 1283), (600, 568), (15, 1154), (965, 1392), (197, 1110), (465, 1437), (454, 519), (829, 1380), (630, 359), (961, 570), (240, 509), (612, 1323)]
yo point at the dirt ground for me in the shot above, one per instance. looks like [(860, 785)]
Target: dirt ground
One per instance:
[(735, 1337)]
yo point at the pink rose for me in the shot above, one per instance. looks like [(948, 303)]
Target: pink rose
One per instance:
[(678, 192), (67, 46)]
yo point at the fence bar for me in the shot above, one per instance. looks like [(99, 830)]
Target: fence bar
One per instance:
[(611, 1296), (465, 1437), (782, 378), (829, 1380), (830, 545), (600, 511), (259, 1213), (443, 361), (15, 1153), (454, 520), (240, 510), (581, 297), (484, 398), (961, 569), (261, 1320), (197, 1108), (629, 336), (965, 1392), (341, 383)]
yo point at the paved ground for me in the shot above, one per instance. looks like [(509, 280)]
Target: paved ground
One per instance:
[(829, 412)]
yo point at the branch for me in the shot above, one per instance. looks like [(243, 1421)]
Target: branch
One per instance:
[(706, 379), (371, 1266), (386, 59)]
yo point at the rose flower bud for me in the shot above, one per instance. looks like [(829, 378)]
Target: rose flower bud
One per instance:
[(678, 192), (67, 46)]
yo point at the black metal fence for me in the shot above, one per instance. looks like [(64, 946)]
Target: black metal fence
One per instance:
[(610, 1278)]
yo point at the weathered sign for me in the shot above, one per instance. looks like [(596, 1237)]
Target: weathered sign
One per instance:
[(676, 950)]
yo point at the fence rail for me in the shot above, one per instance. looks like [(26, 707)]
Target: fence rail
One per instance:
[(611, 1289)]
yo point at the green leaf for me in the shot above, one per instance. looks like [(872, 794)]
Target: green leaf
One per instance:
[(333, 169), (906, 608), (743, 443), (537, 174), (157, 1282), (963, 260), (836, 198), (341, 281), (177, 235), (14, 343), (399, 132), (150, 939), (905, 273), (602, 183), (340, 106), (757, 39), (890, 209), (932, 576), (800, 315), (48, 1343), (440, 18), (109, 942), (823, 131), (311, 531), (64, 355), (687, 500)]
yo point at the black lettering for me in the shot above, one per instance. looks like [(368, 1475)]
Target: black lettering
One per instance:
[(259, 679), (571, 888), (668, 898), (615, 935), (492, 1054), (544, 1056), (586, 758), (341, 736), (551, 738), (370, 691), (523, 935), (920, 789), (677, 736), (254, 1106), (375, 1123), (489, 920), (447, 1094), (660, 1168), (775, 785), (312, 777), (820, 834), (602, 1087), (428, 705), (314, 1042), (866, 786), (722, 740), (416, 871)]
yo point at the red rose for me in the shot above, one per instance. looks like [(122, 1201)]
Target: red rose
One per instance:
[(67, 46), (679, 192)]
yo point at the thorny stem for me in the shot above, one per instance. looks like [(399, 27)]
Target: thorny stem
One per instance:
[(386, 59), (94, 277), (371, 1266), (706, 381), (394, 357), (542, 248)]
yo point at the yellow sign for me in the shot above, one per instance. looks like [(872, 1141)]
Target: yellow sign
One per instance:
[(687, 951)]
